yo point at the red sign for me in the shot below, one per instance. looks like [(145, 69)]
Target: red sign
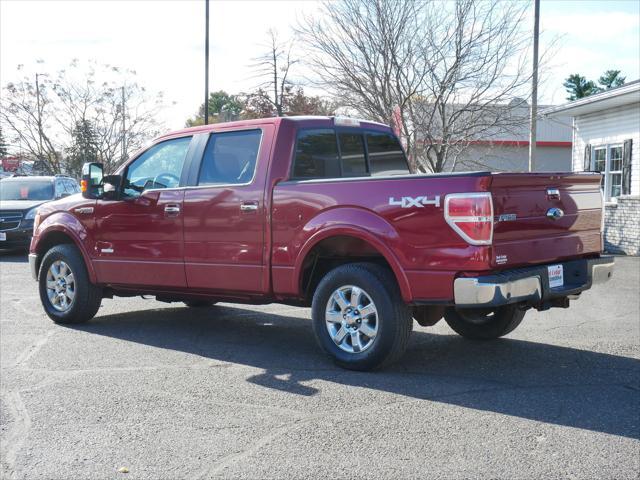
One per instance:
[(10, 164)]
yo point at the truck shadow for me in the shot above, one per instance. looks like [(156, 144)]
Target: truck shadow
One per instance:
[(539, 382)]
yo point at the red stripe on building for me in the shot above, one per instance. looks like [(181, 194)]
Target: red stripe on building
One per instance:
[(518, 143)]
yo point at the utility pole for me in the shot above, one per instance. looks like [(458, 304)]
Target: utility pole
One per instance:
[(39, 116), (534, 88), (206, 64), (124, 130)]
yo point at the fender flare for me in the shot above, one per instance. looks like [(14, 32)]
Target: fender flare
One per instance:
[(59, 223), (345, 229)]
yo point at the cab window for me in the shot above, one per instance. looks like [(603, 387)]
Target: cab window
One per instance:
[(230, 158), (386, 156), (354, 163), (159, 167), (316, 154)]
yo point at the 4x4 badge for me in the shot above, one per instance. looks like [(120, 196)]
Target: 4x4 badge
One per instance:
[(420, 202)]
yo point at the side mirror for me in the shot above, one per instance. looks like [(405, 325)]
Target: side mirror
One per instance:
[(112, 187), (91, 183)]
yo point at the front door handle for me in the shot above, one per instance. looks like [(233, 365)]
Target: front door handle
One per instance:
[(249, 207), (172, 210)]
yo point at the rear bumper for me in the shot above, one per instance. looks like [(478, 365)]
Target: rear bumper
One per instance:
[(531, 284)]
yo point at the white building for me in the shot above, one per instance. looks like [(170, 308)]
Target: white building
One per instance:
[(606, 138)]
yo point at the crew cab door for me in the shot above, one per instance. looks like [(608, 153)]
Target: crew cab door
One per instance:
[(224, 213), (138, 238)]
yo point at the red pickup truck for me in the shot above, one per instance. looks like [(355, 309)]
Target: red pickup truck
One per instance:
[(322, 212)]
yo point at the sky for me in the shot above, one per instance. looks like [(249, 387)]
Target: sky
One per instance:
[(163, 41)]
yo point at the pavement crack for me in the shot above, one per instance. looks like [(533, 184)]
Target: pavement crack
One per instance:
[(228, 460), (17, 435), (33, 349)]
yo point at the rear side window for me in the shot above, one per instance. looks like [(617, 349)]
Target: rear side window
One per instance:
[(354, 163), (230, 158), (386, 156), (316, 154)]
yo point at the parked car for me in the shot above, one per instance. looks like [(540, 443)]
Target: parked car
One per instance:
[(321, 212), (20, 197)]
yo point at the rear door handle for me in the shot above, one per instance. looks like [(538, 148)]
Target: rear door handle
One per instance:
[(249, 207), (172, 210)]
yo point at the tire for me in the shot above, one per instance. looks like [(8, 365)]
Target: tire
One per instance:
[(484, 323), (86, 296), (199, 303), (390, 324)]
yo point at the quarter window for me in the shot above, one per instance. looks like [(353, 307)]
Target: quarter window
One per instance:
[(386, 156), (230, 158), (159, 167)]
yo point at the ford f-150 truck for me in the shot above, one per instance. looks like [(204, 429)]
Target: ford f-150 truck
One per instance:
[(321, 212)]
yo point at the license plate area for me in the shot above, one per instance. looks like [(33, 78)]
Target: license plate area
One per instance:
[(3, 236), (556, 276)]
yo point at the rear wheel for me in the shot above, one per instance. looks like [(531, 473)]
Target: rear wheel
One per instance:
[(484, 323), (66, 293), (199, 303), (359, 317)]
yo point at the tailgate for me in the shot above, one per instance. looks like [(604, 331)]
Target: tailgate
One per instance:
[(544, 217)]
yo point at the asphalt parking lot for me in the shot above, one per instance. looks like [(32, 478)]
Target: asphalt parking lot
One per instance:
[(243, 392)]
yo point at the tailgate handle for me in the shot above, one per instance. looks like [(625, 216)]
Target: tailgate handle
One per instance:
[(553, 194)]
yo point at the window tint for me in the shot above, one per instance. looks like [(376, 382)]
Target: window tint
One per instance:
[(352, 154), (230, 158), (385, 155), (59, 188), (26, 190), (159, 167), (316, 155)]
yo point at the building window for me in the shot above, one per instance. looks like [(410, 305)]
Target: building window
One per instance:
[(607, 159)]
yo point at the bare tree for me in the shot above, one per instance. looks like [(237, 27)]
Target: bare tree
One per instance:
[(122, 114), (274, 67), (28, 114), (442, 74)]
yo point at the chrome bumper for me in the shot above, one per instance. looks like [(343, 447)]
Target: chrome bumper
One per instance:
[(33, 265), (530, 285), (471, 291)]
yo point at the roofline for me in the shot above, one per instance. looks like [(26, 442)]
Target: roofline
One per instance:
[(260, 121), (625, 89)]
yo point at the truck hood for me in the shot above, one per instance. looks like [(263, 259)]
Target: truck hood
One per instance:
[(64, 204)]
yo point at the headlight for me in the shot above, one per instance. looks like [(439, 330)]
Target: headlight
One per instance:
[(36, 223), (31, 214)]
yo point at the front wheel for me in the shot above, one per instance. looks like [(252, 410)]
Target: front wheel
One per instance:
[(484, 323), (359, 317), (66, 293)]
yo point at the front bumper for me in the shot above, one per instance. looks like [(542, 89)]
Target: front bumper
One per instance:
[(531, 285), (33, 265), (17, 238)]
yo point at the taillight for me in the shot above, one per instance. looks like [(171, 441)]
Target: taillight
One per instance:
[(471, 216)]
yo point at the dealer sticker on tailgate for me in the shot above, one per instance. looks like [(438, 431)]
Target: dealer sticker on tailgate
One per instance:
[(556, 277)]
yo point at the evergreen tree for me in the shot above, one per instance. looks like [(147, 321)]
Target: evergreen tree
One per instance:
[(579, 87), (611, 79), (83, 148), (4, 150), (222, 108)]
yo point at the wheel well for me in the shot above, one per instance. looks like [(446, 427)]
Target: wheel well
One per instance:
[(331, 253), (50, 241)]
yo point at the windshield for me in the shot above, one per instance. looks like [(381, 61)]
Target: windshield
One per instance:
[(26, 190)]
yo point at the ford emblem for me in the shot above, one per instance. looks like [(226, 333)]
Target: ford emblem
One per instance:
[(555, 213)]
